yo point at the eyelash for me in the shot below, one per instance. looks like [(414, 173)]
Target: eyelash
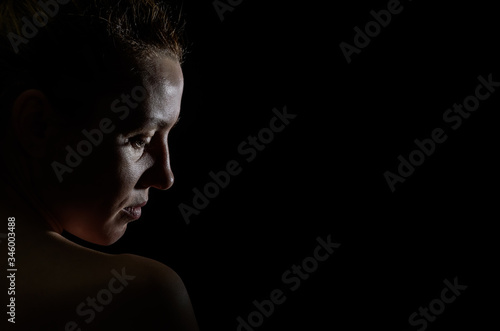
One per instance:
[(138, 142)]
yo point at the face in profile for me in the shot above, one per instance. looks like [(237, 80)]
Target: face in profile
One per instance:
[(106, 191)]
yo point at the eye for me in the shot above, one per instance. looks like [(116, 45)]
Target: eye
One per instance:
[(139, 142)]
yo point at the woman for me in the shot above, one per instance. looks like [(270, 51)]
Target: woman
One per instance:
[(89, 93)]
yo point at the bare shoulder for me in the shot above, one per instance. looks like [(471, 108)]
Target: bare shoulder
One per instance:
[(157, 298), (153, 270), (97, 291), (153, 277)]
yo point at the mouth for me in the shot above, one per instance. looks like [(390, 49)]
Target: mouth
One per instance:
[(134, 211)]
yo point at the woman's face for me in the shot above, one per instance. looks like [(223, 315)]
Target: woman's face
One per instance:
[(106, 189)]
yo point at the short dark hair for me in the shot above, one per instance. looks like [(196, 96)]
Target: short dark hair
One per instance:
[(75, 50)]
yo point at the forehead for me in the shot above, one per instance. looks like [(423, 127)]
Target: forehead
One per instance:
[(163, 83)]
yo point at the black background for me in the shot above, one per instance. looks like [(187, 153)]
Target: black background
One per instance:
[(323, 175)]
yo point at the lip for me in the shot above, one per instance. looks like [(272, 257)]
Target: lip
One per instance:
[(134, 211)]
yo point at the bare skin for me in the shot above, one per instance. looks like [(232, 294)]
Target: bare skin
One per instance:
[(61, 285)]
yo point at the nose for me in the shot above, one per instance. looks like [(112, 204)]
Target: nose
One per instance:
[(160, 174), (165, 178)]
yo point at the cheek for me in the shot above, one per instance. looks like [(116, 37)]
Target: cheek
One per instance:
[(129, 168), (107, 177), (103, 182)]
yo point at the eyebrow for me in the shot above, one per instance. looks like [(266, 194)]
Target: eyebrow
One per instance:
[(176, 122), (153, 122), (149, 122)]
